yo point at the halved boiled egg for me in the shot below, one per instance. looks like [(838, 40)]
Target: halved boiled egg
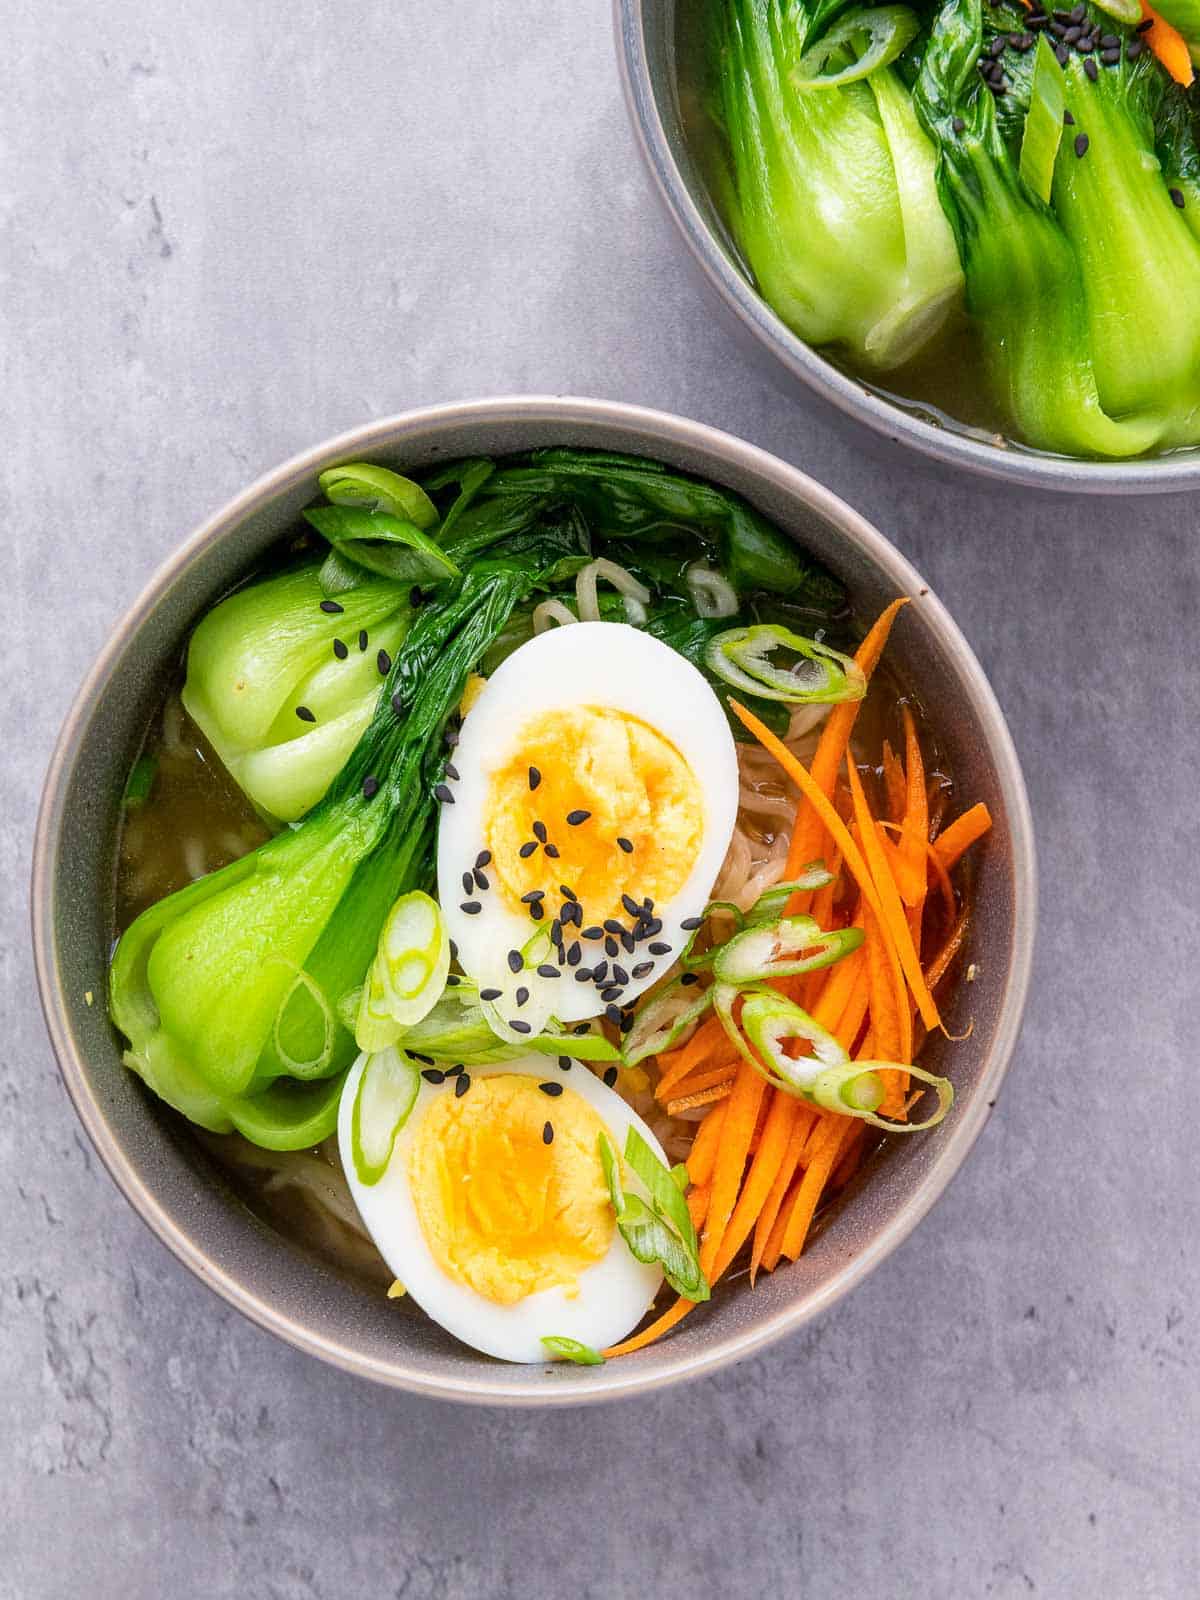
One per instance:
[(492, 1209), (596, 795)]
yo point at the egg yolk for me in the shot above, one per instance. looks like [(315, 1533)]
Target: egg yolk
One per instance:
[(590, 777), (503, 1209)]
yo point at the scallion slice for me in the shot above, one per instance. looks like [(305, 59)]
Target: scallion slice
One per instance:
[(647, 1228), (565, 1349), (387, 1091), (872, 38), (408, 974), (1043, 121), (740, 657), (782, 949), (669, 1019)]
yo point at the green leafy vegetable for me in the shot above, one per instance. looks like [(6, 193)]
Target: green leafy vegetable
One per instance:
[(386, 1093), (572, 1350), (381, 543), (379, 489), (140, 781), (831, 195), (647, 1227)]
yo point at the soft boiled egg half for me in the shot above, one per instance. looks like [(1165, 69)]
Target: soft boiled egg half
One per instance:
[(492, 1207), (595, 798)]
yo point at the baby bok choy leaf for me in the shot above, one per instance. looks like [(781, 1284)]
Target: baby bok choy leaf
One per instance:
[(279, 686), (236, 982), (831, 192)]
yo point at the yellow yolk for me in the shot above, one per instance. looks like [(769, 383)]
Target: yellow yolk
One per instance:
[(503, 1211), (634, 785)]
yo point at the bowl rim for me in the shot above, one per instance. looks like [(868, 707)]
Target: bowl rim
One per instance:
[(1173, 473), (658, 428)]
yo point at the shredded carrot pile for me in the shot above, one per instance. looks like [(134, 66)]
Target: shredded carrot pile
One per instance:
[(763, 1161)]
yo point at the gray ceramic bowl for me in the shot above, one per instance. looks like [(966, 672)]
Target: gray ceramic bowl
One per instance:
[(646, 47), (166, 1175)]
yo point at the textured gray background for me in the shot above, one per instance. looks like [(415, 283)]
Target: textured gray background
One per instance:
[(231, 229)]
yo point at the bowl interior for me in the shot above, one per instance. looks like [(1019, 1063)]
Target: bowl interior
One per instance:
[(647, 42), (169, 1177)]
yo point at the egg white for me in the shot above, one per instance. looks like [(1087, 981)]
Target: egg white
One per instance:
[(602, 664), (613, 1294)]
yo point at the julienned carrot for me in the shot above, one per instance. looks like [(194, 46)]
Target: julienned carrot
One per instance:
[(703, 1154), (657, 1328), (962, 833), (893, 783), (776, 1134), (796, 770), (697, 1204), (809, 829), (1169, 46), (891, 912), (805, 1118), (812, 1185), (940, 964), (676, 1064), (850, 1157), (702, 1078), (850, 1022), (700, 1097), (914, 829), (890, 1022), (741, 1119)]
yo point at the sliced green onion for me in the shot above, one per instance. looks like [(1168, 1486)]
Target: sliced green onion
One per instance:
[(668, 1020), (772, 902), (580, 1046), (942, 1087), (571, 1350), (392, 546), (304, 986), (378, 489), (874, 38), (387, 1091), (680, 1178), (821, 675), (648, 1234), (140, 781), (665, 1194), (1043, 121), (773, 950), (697, 961), (712, 593), (408, 974)]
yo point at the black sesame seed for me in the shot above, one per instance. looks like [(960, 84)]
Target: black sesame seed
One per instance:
[(1110, 57), (305, 714), (643, 969), (574, 956), (552, 1089), (571, 914), (1068, 119), (1081, 144), (627, 1022), (453, 950), (689, 977), (533, 897), (548, 1133), (450, 738), (574, 818), (1176, 197), (384, 662), (625, 844), (1145, 25), (539, 832), (547, 971), (552, 851), (482, 881), (370, 788), (628, 943), (583, 975), (691, 922), (610, 1076), (471, 907), (619, 974), (441, 792), (1061, 54), (452, 980), (341, 649), (564, 1063), (521, 995), (631, 906), (600, 971), (461, 1087), (1078, 13), (568, 893), (527, 850), (611, 925), (518, 1026), (362, 638), (537, 911), (614, 991), (581, 1028), (611, 946), (428, 1060), (592, 933), (659, 949), (1086, 45), (433, 1075), (452, 771), (1110, 41), (996, 48), (489, 994), (483, 859), (468, 882), (1133, 49), (1092, 70), (331, 608), (1073, 35), (515, 961), (613, 1013)]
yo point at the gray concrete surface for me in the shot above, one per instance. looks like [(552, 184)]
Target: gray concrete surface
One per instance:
[(230, 229)]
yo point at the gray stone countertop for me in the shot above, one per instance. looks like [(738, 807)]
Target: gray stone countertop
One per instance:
[(229, 230)]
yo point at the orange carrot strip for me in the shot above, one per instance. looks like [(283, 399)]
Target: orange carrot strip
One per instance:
[(914, 829), (669, 1318), (851, 1019), (943, 879), (891, 914), (703, 1154), (702, 1097), (890, 1021), (805, 1119), (776, 1134), (741, 1119), (705, 1077), (962, 834), (812, 1185), (676, 1064), (940, 964), (893, 783), (850, 1158), (808, 832), (1169, 46), (697, 1204)]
